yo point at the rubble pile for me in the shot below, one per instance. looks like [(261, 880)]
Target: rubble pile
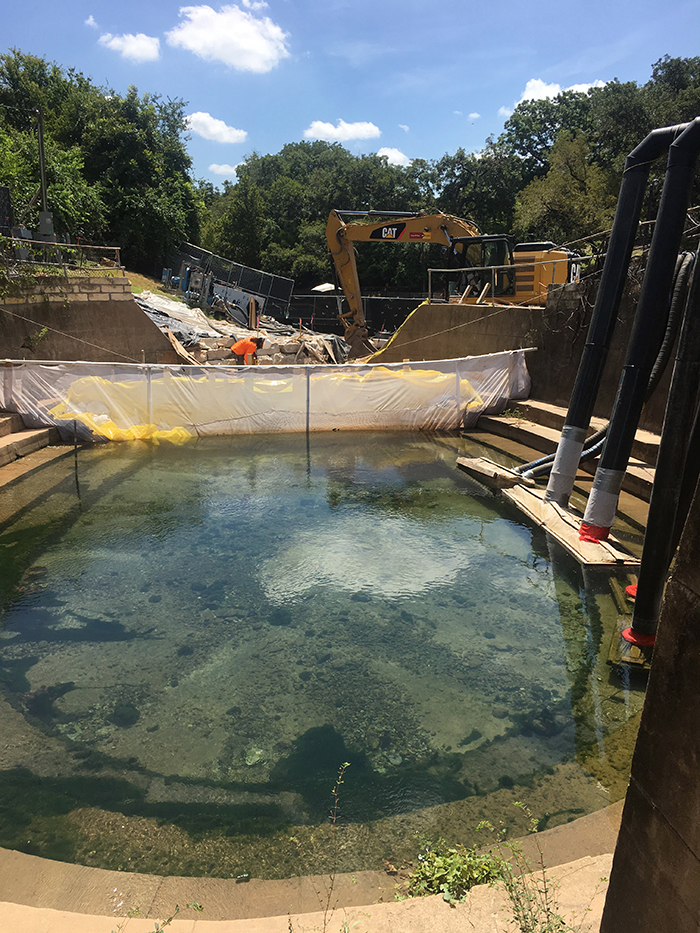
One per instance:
[(208, 342)]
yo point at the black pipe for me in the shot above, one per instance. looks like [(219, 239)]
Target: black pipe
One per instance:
[(613, 278), (649, 326), (664, 517), (689, 483), (614, 275), (593, 444)]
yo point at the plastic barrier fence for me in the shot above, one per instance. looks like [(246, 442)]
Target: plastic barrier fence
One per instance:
[(130, 401)]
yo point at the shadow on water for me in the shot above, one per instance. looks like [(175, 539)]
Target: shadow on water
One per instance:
[(452, 685), (33, 809), (34, 623), (30, 808), (312, 768)]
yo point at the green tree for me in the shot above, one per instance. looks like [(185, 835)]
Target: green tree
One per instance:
[(481, 186), (238, 231), (672, 95), (573, 199), (117, 167), (534, 125)]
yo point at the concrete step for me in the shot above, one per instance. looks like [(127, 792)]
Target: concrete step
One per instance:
[(633, 508), (10, 423), (646, 444), (22, 472), (645, 447), (639, 476), (21, 443)]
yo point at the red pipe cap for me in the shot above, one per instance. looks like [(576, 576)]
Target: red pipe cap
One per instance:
[(593, 533), (640, 639), (631, 590)]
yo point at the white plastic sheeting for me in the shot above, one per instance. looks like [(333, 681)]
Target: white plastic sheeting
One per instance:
[(129, 401)]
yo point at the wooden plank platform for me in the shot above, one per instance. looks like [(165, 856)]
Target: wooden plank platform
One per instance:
[(491, 474), (563, 525)]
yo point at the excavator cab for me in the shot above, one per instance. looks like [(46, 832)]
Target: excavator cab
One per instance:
[(483, 259)]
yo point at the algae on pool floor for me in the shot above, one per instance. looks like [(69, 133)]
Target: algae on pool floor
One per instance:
[(197, 647)]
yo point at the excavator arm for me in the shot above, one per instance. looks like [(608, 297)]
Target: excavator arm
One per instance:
[(394, 227)]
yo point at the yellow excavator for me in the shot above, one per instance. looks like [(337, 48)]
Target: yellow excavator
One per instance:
[(492, 267)]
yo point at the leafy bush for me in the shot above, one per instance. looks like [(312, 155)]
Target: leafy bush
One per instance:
[(452, 871)]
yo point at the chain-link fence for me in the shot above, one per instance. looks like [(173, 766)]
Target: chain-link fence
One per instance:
[(227, 277)]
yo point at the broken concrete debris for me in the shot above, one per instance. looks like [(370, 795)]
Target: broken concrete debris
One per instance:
[(208, 342)]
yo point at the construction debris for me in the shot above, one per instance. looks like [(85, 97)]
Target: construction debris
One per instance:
[(204, 341)]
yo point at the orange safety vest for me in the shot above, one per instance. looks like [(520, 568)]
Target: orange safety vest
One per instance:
[(244, 347)]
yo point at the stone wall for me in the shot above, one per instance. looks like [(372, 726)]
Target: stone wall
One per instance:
[(86, 318), (446, 331)]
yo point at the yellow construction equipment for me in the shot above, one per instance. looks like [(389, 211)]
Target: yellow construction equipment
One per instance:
[(490, 267)]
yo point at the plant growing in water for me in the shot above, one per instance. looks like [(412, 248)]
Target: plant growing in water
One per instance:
[(325, 899)]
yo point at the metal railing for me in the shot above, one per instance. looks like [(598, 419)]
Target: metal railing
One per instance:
[(67, 260), (489, 283)]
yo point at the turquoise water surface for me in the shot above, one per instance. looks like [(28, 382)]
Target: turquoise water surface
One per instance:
[(195, 638)]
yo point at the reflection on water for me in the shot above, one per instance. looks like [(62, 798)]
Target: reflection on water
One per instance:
[(191, 650)]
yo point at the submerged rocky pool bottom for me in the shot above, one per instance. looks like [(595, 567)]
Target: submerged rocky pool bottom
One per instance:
[(195, 639)]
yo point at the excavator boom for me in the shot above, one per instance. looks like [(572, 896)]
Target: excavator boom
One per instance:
[(394, 227)]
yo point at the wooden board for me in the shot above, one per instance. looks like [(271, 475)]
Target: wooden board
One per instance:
[(563, 525), (491, 474), (622, 652)]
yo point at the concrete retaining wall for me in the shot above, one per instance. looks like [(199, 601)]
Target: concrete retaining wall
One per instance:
[(445, 331), (91, 318)]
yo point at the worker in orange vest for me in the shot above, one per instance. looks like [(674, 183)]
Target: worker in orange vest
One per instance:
[(246, 347)]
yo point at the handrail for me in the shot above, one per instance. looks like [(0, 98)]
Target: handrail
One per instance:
[(68, 259), (492, 270)]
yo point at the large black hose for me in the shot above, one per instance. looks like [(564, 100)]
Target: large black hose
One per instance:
[(676, 469), (679, 290), (613, 277), (684, 265)]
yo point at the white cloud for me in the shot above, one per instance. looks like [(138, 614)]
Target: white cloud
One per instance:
[(394, 156), (537, 89), (402, 126), (505, 112), (457, 113), (203, 124), (90, 21), (232, 36), (585, 88), (474, 116), (228, 170), (343, 132), (138, 48)]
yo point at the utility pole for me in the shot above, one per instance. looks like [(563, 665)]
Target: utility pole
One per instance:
[(46, 231)]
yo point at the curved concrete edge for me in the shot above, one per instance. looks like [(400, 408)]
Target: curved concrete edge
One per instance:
[(44, 896), (580, 895)]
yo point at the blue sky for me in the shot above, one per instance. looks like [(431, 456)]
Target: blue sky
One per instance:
[(407, 78)]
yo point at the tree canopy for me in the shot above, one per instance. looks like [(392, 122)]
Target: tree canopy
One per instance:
[(117, 166), (118, 172)]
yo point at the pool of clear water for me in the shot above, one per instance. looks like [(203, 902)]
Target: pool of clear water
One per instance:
[(195, 639)]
